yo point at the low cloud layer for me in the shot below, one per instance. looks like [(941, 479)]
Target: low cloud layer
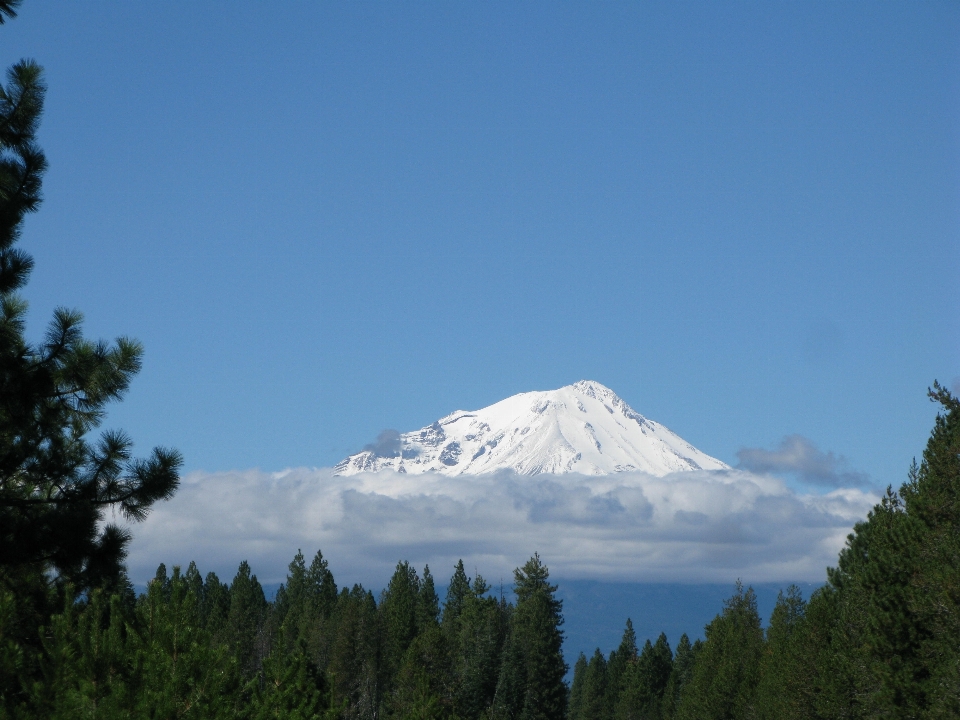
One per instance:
[(799, 457), (687, 527)]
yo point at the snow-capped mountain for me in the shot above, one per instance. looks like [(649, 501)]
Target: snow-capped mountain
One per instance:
[(581, 428)]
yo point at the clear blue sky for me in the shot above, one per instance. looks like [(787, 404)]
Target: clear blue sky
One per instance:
[(327, 219)]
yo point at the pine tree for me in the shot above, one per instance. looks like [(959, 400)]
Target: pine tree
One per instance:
[(786, 683), (683, 663), (593, 698), (620, 661), (534, 669), (646, 682), (422, 687), (245, 620), (303, 606), (477, 649), (398, 607), (575, 706), (508, 700), (726, 671), (321, 587), (887, 621), (179, 668), (428, 604), (56, 482), (457, 592), (291, 688), (87, 668), (355, 658)]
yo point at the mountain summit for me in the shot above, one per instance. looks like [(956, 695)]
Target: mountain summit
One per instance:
[(581, 428)]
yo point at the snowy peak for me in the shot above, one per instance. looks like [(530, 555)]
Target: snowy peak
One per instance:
[(583, 428)]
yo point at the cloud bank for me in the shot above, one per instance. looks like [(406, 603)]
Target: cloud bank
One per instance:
[(686, 527)]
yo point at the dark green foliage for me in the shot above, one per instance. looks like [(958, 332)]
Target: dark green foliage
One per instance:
[(303, 606), (531, 676), (243, 631), (476, 646), (356, 653), (8, 9), (593, 698), (291, 688), (428, 604), (423, 683), (575, 704), (398, 606), (786, 674), (726, 670), (178, 667), (883, 634), (645, 682), (457, 592), (683, 663), (55, 484), (620, 661)]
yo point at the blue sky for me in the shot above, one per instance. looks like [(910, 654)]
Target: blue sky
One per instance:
[(327, 219)]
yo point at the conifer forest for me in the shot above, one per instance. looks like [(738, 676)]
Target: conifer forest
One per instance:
[(879, 639)]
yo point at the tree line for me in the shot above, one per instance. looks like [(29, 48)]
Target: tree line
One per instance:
[(193, 646)]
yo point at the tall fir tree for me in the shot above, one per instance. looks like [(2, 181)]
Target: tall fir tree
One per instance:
[(645, 682), (620, 661), (593, 698), (886, 623), (786, 676), (726, 670), (477, 649), (683, 662), (534, 668), (243, 631), (398, 607)]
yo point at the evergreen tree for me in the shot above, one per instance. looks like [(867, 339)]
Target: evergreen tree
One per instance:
[(477, 650), (620, 661), (575, 704), (398, 606), (293, 688), (726, 671), (422, 687), (457, 592), (180, 670), (428, 604), (321, 587), (532, 674), (215, 606), (243, 631), (786, 683), (355, 658), (303, 607), (886, 624), (593, 702), (86, 664), (646, 681), (683, 662), (56, 483), (508, 700)]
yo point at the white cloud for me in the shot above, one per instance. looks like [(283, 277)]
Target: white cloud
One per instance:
[(688, 527)]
